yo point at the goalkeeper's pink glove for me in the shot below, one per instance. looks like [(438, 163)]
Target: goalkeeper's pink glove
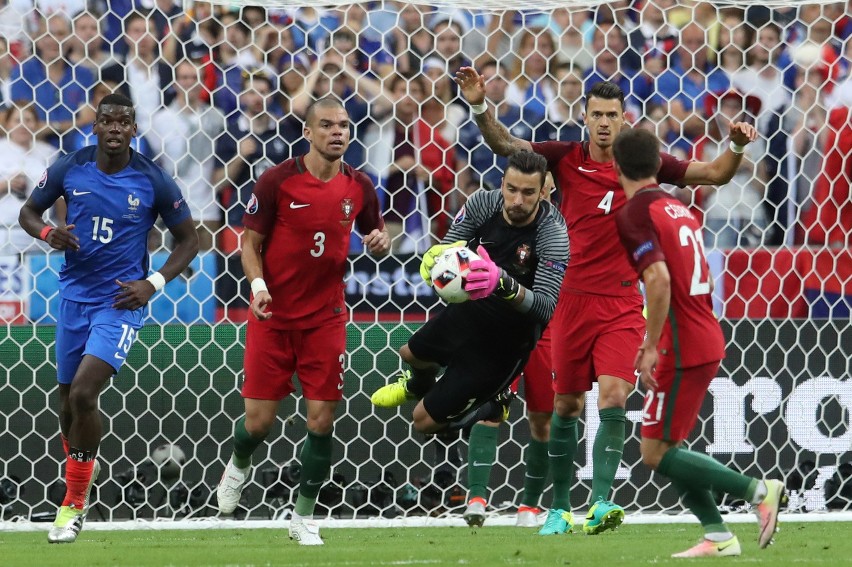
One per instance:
[(486, 277)]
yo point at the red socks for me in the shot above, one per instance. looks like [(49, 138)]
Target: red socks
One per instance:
[(77, 477)]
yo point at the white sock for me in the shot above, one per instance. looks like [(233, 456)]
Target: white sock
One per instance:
[(718, 537), (296, 517), (759, 493)]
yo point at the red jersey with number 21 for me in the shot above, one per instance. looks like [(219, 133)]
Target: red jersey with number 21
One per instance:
[(591, 196), (307, 224), (655, 227)]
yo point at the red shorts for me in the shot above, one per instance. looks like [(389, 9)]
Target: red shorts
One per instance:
[(273, 355), (594, 335), (538, 377), (670, 412)]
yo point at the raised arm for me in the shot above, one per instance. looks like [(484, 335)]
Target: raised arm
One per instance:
[(472, 86), (722, 169)]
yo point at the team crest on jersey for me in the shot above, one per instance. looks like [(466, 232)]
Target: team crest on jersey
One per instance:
[(43, 181), (132, 203), (522, 254), (252, 205), (347, 206), (459, 215)]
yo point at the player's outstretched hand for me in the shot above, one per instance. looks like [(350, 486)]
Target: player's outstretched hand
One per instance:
[(742, 133), (377, 242), (133, 295), (471, 84), (483, 277), (259, 303), (645, 363), (61, 238), (429, 259)]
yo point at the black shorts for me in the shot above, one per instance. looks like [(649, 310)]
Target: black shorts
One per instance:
[(481, 359)]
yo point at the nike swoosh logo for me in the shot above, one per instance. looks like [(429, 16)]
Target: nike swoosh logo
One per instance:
[(549, 454), (650, 422), (611, 450), (478, 464), (78, 193), (532, 476), (583, 169), (295, 206), (118, 356), (340, 386), (484, 242), (314, 482)]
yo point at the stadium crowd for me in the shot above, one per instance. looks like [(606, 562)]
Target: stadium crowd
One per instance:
[(221, 92)]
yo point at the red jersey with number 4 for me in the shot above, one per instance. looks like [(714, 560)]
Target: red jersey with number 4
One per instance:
[(307, 223), (655, 227), (591, 196)]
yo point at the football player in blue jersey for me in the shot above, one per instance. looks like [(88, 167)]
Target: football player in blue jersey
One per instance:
[(114, 196)]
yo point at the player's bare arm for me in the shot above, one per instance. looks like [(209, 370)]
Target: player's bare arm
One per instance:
[(722, 169), (58, 237), (377, 242), (472, 86), (658, 297), (136, 294), (253, 269)]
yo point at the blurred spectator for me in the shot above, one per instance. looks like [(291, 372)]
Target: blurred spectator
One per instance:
[(366, 57), (163, 14), (570, 26), (237, 54), (448, 44), (82, 134), (413, 165), (254, 141), (311, 27), (478, 165), (688, 80), (57, 88), (86, 44), (13, 27), (763, 78), (143, 76), (23, 161), (609, 44), (194, 35), (441, 109), (184, 134), (565, 113), (654, 33), (531, 84), (734, 38), (828, 221), (7, 64), (411, 40), (733, 213)]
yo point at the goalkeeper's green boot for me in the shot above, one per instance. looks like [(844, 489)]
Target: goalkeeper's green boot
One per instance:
[(557, 522), (394, 394), (604, 515)]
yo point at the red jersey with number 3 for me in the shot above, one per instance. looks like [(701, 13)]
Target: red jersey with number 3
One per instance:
[(655, 227), (591, 196), (307, 223)]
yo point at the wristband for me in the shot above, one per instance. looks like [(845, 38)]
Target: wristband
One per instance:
[(45, 231), (478, 108), (157, 280), (736, 148), (258, 285), (507, 286)]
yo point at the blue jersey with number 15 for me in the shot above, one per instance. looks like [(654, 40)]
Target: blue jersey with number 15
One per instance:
[(112, 215)]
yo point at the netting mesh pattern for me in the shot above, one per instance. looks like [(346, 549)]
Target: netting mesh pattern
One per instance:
[(220, 94)]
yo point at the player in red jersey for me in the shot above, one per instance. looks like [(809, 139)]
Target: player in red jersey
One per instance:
[(683, 347), (598, 322), (298, 222)]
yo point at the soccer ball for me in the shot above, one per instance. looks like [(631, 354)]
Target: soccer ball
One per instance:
[(449, 273), (169, 459)]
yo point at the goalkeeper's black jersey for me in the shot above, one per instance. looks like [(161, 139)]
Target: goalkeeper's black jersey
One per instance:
[(536, 255)]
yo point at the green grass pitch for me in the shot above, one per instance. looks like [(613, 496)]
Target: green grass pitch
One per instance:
[(797, 544)]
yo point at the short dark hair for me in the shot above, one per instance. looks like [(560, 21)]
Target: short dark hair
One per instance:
[(637, 153), (116, 99), (528, 162), (325, 102), (606, 90)]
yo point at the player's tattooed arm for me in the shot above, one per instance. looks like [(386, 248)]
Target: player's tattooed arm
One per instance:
[(497, 136)]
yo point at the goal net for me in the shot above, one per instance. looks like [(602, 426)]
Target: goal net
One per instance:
[(220, 92)]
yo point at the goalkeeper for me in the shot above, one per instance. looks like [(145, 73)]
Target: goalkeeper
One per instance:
[(485, 342)]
